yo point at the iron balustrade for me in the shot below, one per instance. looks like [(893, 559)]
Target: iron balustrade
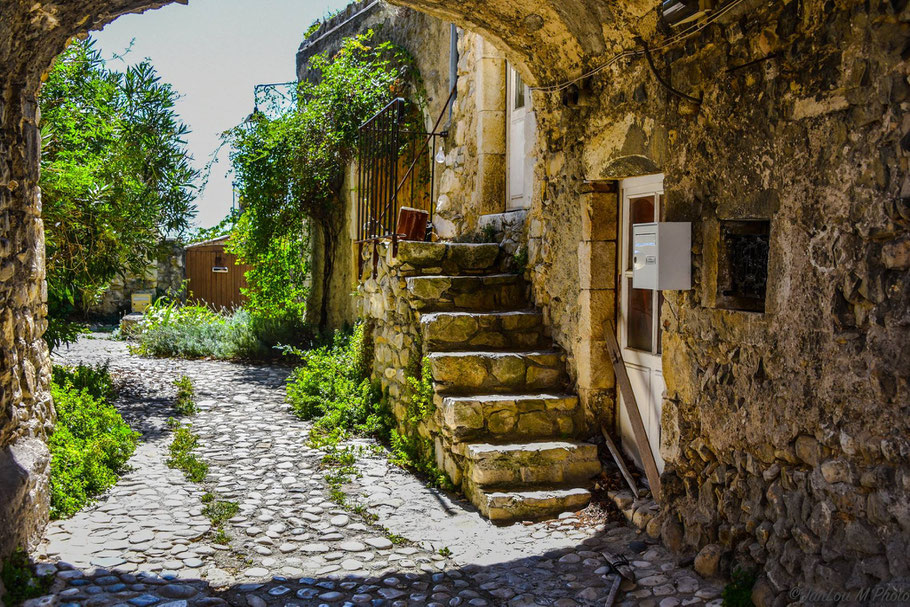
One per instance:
[(388, 143)]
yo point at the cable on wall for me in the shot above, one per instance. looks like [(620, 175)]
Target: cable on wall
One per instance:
[(666, 84), (632, 53)]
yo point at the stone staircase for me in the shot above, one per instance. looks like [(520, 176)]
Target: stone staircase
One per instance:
[(507, 425)]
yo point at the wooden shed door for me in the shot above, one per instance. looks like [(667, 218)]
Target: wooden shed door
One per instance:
[(214, 278)]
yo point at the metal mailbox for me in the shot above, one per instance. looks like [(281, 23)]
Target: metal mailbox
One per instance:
[(662, 256)]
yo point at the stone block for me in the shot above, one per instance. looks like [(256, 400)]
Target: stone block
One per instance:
[(599, 214), (491, 84), (593, 365), (421, 254), (596, 264), (464, 256), (707, 561), (596, 308)]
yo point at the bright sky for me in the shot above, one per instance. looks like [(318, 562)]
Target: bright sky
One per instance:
[(214, 52)]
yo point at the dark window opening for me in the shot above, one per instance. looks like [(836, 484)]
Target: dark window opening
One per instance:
[(742, 272)]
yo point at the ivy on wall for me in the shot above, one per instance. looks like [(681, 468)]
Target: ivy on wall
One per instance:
[(290, 170)]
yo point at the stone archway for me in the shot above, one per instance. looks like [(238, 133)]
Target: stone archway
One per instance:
[(547, 39)]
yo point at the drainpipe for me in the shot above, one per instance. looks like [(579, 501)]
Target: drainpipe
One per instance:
[(453, 69)]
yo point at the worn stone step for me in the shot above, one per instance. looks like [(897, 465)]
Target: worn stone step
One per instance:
[(497, 372), (499, 292), (449, 258), (448, 331), (505, 506), (552, 462), (502, 417)]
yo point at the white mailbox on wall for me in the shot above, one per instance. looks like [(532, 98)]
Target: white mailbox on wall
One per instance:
[(662, 256)]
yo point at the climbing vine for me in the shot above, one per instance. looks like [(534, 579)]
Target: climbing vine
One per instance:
[(290, 168)]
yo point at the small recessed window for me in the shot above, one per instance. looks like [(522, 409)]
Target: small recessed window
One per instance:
[(742, 269)]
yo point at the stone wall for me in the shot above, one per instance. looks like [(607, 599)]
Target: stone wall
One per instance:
[(164, 276), (427, 39), (785, 432), (395, 330), (26, 411)]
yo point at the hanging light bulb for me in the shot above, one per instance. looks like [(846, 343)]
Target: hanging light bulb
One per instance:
[(441, 155)]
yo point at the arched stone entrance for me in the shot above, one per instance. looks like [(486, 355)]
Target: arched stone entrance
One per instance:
[(785, 430), (547, 40)]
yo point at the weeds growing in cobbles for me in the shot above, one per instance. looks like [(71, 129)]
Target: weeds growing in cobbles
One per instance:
[(186, 396), (20, 581), (182, 456), (219, 512)]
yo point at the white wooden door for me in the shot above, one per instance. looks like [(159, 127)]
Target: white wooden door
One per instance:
[(638, 329), (517, 100)]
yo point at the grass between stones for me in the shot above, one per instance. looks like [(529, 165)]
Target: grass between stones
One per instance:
[(219, 512), (182, 456), (186, 396)]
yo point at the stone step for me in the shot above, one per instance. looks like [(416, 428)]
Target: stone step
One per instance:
[(494, 292), (449, 258), (504, 506), (448, 331), (497, 372), (503, 417), (568, 463)]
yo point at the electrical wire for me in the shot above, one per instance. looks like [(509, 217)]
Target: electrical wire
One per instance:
[(671, 41)]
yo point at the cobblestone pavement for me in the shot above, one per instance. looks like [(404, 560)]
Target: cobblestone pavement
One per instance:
[(147, 542)]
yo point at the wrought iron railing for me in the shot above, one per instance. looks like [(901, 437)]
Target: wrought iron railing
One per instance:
[(396, 168)]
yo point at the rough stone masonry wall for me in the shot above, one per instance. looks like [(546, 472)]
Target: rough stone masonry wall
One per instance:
[(31, 37), (395, 330), (164, 276), (785, 433), (26, 411)]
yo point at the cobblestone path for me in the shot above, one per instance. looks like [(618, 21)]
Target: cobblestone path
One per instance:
[(147, 542)]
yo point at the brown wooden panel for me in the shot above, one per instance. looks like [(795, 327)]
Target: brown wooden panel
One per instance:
[(217, 290)]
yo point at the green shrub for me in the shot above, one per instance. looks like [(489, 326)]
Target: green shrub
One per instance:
[(332, 387), (186, 396), (169, 329), (96, 380), (20, 581), (183, 458), (91, 443)]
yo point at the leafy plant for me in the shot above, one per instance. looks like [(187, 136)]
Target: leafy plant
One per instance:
[(97, 381), (116, 177), (521, 259), (90, 444), (20, 581), (738, 593), (421, 405), (220, 512), (290, 170), (332, 387), (171, 329), (186, 396), (182, 456)]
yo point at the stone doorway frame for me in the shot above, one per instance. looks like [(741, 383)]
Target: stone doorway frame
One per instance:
[(597, 277)]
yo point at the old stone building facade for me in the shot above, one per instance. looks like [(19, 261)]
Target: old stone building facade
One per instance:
[(780, 131)]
